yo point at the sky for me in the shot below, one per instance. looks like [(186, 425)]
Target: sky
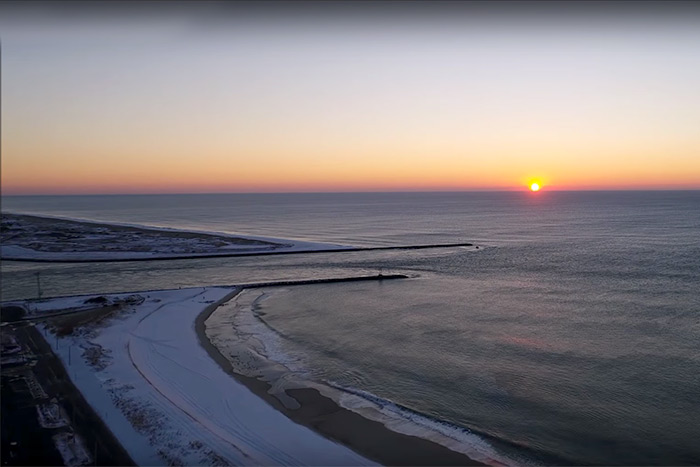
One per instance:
[(204, 97)]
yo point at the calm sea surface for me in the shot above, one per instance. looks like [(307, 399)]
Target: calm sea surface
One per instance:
[(572, 336)]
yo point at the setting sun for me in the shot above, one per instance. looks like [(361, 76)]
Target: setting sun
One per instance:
[(535, 187)]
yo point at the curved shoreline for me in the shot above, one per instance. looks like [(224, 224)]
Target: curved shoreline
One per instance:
[(323, 415)]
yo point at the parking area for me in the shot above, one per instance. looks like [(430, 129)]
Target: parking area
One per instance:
[(45, 419)]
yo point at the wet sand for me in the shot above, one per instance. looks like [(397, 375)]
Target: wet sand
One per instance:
[(320, 413)]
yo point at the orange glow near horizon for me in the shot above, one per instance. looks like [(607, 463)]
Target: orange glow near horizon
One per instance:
[(263, 171), (97, 167), (245, 179), (133, 107)]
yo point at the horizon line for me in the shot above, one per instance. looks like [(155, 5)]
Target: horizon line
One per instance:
[(512, 190)]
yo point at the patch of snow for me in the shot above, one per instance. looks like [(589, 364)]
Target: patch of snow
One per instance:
[(37, 308), (166, 400), (51, 415), (72, 449)]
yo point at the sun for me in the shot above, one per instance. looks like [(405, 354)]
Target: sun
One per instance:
[(535, 186)]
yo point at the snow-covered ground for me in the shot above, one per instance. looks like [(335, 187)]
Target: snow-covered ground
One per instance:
[(146, 375), (72, 449), (61, 239)]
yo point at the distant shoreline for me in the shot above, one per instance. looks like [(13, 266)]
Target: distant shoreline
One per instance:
[(256, 246)]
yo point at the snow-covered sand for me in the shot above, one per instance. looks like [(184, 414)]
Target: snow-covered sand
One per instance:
[(51, 238), (146, 375)]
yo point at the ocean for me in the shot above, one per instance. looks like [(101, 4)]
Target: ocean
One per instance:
[(571, 336)]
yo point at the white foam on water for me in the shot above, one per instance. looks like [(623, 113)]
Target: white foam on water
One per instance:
[(239, 331)]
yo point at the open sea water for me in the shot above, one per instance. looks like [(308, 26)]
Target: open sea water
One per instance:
[(571, 336)]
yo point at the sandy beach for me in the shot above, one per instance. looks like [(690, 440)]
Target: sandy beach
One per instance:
[(320, 413)]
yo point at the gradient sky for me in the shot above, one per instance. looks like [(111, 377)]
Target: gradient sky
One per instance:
[(207, 97)]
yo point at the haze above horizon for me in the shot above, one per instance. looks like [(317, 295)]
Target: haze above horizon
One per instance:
[(335, 97)]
